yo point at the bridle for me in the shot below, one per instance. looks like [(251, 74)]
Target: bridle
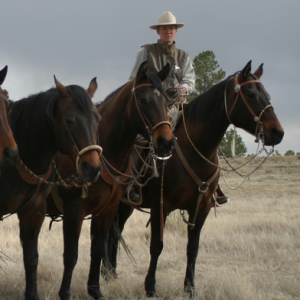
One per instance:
[(240, 94), (81, 152), (150, 129)]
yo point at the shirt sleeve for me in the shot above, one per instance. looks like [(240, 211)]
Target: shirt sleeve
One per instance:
[(140, 57), (188, 78)]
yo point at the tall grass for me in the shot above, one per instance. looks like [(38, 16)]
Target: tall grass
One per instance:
[(250, 251)]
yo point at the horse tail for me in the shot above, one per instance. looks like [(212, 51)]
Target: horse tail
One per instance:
[(114, 237)]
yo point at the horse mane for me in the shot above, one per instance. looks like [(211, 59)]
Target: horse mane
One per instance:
[(112, 94), (36, 112), (198, 109), (151, 77)]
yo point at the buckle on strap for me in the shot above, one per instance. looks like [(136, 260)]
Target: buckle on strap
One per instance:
[(206, 189)]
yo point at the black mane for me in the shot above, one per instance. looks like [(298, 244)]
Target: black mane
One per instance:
[(198, 109), (34, 115), (151, 77)]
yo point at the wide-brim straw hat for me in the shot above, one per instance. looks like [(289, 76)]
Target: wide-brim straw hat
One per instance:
[(167, 18)]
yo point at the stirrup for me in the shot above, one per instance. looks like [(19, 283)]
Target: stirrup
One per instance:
[(221, 200)]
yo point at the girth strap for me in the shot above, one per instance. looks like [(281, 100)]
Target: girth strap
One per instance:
[(196, 179)]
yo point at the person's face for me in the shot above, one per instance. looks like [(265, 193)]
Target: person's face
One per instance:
[(167, 33)]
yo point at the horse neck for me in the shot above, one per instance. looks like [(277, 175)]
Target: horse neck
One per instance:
[(36, 141), (207, 132), (116, 133)]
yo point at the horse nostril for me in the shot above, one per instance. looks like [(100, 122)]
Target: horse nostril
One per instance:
[(89, 173), (277, 134), (164, 145), (10, 155)]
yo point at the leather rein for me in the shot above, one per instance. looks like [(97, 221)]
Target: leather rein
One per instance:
[(31, 178), (123, 177), (28, 176), (204, 186)]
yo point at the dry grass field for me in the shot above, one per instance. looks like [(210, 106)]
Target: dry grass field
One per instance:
[(250, 251)]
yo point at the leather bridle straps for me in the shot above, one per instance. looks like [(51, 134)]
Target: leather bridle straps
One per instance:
[(81, 152), (148, 126), (239, 92)]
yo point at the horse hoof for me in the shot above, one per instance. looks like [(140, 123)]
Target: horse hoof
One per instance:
[(191, 292), (151, 295), (95, 294)]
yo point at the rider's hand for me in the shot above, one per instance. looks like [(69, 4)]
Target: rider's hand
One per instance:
[(182, 90), (5, 92)]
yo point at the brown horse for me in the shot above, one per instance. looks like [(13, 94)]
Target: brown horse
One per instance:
[(61, 119), (191, 175), (138, 107), (8, 147)]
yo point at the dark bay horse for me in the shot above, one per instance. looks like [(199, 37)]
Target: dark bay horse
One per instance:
[(138, 107), (8, 147), (191, 175), (61, 119)]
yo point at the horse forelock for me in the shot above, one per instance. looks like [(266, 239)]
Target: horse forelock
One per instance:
[(81, 98)]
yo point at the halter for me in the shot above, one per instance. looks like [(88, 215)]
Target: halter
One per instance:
[(146, 122), (239, 92), (81, 152)]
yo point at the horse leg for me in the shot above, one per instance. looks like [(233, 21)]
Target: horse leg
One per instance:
[(109, 264), (156, 247), (71, 230), (30, 225), (98, 239), (192, 249)]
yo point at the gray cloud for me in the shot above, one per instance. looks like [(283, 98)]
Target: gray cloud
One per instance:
[(78, 40)]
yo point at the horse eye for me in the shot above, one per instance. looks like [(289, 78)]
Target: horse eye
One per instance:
[(69, 121), (142, 101)]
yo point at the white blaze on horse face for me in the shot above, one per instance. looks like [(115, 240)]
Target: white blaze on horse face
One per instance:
[(157, 92)]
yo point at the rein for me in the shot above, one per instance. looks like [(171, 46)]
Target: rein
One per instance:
[(257, 135), (149, 127), (203, 186), (35, 179)]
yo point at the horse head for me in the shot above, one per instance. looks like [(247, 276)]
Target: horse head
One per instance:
[(151, 104), (78, 119), (8, 147), (246, 91)]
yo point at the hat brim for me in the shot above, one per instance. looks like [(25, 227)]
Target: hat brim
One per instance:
[(178, 25)]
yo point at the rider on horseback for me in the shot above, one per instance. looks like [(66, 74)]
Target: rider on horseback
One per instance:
[(181, 78)]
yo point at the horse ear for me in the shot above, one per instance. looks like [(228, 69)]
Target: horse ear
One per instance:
[(142, 71), (61, 89), (164, 72), (259, 71), (92, 87), (246, 71), (3, 73)]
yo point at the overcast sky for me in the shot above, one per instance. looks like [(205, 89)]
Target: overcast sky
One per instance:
[(78, 40)]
